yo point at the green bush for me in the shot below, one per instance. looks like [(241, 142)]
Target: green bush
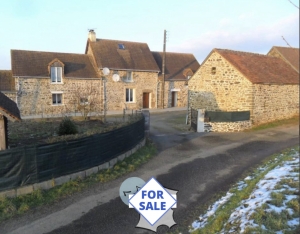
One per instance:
[(67, 127)]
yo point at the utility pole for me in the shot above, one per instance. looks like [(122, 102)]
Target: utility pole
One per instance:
[(163, 69)]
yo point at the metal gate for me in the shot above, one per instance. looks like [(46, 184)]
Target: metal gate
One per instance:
[(194, 119)]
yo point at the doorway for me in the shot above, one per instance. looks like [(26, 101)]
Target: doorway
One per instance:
[(146, 100), (174, 99)]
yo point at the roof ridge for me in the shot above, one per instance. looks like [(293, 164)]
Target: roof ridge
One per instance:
[(171, 52), (241, 52), (285, 47), (38, 51), (98, 39)]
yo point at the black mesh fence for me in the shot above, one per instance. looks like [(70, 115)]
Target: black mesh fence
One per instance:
[(32, 164), (232, 116)]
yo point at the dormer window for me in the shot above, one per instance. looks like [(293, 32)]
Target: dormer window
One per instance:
[(56, 74), (56, 70), (128, 77)]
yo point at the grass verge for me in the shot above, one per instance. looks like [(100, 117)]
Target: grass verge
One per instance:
[(268, 221), (10, 207), (293, 120)]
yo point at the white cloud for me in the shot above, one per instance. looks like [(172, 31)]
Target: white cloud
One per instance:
[(258, 39)]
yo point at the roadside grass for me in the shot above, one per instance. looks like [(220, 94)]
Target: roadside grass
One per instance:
[(10, 207), (265, 219), (293, 120)]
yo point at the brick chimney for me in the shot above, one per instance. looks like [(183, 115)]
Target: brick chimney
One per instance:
[(92, 35)]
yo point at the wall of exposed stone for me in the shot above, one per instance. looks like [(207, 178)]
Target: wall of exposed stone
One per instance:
[(274, 102), (182, 93), (143, 82), (229, 90), (226, 90), (35, 96), (227, 126)]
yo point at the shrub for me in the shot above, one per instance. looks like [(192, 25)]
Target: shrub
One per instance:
[(67, 127)]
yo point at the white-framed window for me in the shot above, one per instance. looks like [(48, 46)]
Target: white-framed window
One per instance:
[(128, 77), (56, 74), (130, 95), (56, 99)]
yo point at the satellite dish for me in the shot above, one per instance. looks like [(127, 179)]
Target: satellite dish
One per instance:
[(105, 71), (116, 77)]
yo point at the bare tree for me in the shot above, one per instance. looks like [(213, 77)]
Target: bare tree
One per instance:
[(86, 97)]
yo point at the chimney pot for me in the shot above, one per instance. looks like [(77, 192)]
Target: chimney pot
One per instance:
[(92, 35)]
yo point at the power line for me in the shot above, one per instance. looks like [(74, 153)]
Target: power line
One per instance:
[(293, 4), (286, 42)]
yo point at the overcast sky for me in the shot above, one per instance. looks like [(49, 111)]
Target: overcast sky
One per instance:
[(194, 26)]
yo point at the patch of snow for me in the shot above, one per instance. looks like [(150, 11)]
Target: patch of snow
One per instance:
[(260, 195), (211, 211)]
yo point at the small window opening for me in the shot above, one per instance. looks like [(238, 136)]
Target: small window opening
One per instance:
[(213, 70)]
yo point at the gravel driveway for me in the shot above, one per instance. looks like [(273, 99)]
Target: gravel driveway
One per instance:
[(199, 165)]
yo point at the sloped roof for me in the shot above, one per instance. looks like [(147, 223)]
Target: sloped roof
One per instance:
[(290, 54), (259, 68), (35, 63), (6, 81), (134, 56), (176, 64), (9, 108)]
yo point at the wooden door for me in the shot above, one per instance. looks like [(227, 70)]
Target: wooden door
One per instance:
[(174, 99), (145, 100)]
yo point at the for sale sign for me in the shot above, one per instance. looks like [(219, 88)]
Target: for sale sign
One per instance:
[(152, 201)]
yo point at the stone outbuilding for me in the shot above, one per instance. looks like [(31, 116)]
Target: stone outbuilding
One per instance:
[(288, 54), (240, 82), (179, 68), (8, 111)]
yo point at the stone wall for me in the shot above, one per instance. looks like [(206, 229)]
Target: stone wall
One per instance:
[(143, 82), (35, 96), (227, 126), (181, 91), (226, 90), (274, 102)]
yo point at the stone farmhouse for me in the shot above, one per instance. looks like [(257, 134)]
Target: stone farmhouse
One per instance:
[(133, 65), (8, 111), (179, 68), (234, 81), (49, 84)]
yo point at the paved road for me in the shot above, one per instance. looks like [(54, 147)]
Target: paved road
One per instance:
[(198, 165)]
